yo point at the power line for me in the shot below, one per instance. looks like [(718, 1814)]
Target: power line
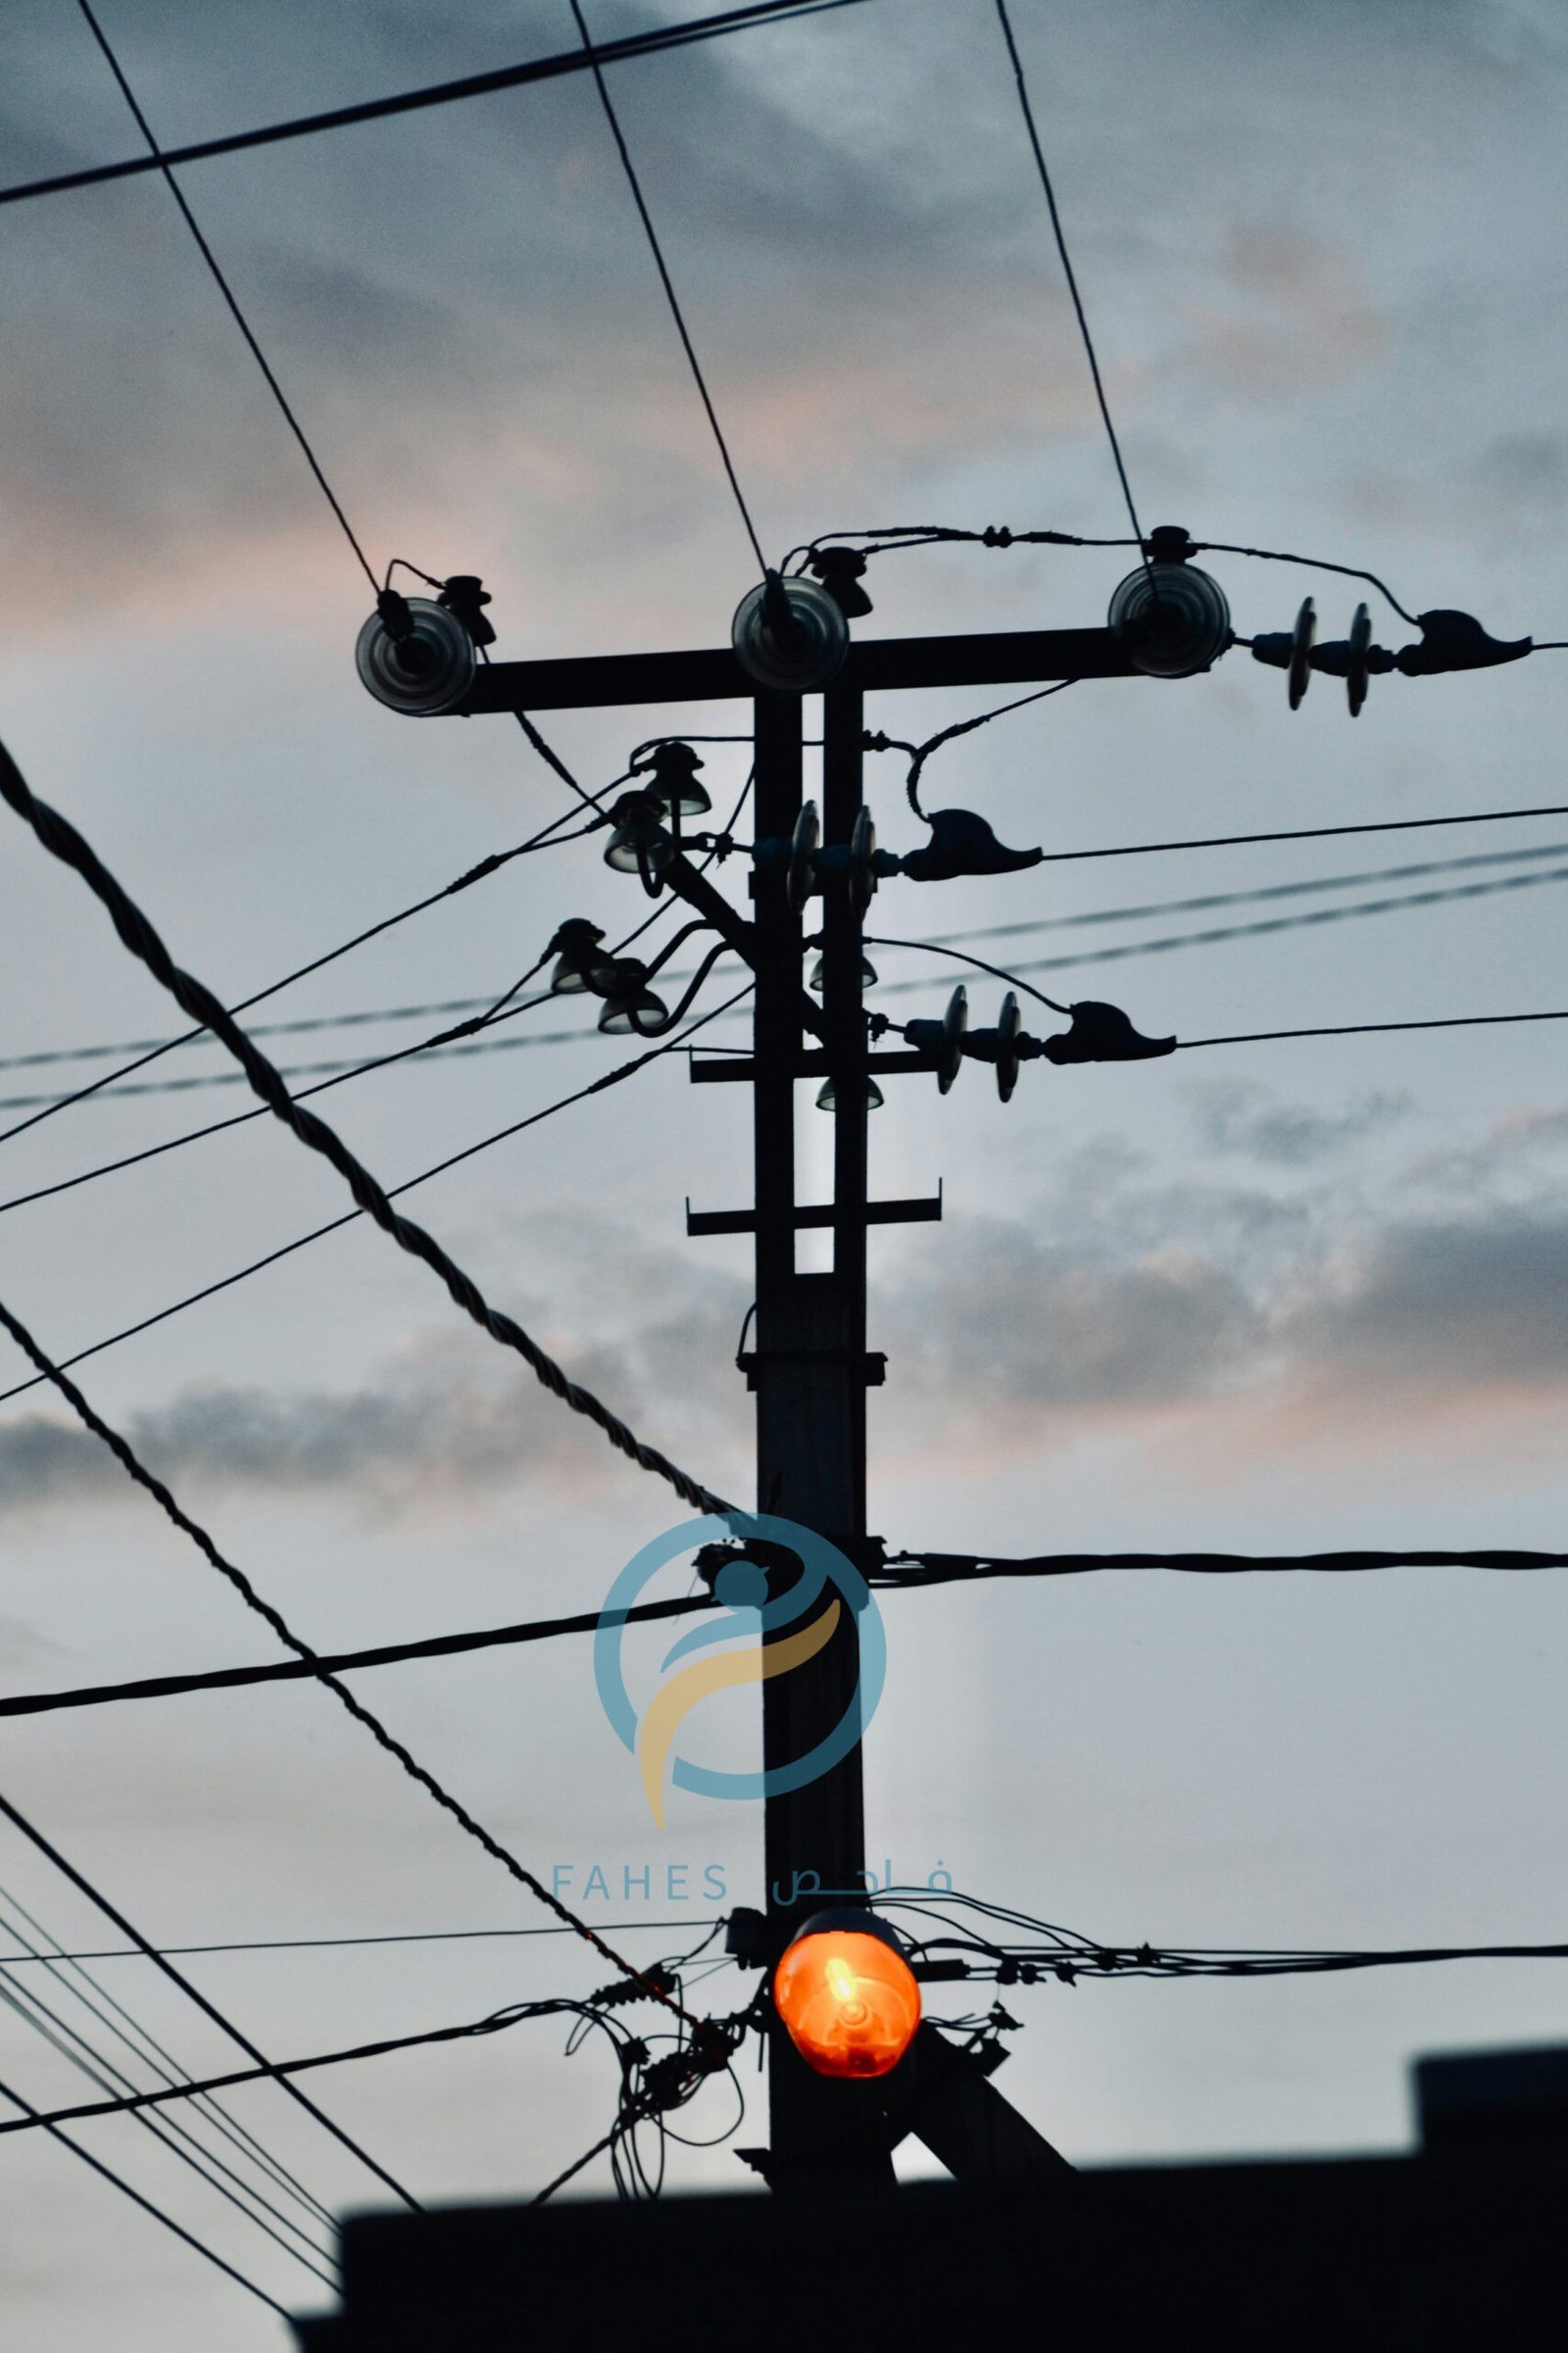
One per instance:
[(1300, 833), (668, 285), (1314, 919), (978, 964), (385, 1654), (496, 2023), (198, 1002), (363, 1017), (1260, 891), (1067, 268), (34, 2116), (1367, 1029), (229, 294), (949, 1568), (449, 1045), (74, 2048), (444, 93), (902, 1572), (126, 1928), (479, 873), (125, 1456), (145, 2046), (453, 1935), (598, 1086)]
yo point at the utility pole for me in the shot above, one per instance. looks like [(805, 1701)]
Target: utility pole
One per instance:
[(808, 1367)]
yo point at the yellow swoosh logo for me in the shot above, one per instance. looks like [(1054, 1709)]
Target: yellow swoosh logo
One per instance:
[(681, 1694)]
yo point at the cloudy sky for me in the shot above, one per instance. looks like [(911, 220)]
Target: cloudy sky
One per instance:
[(1268, 1297)]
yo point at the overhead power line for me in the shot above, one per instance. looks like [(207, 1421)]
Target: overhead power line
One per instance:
[(1067, 269), (33, 2117), (110, 1911), (668, 282), (363, 1017), (173, 2135), (161, 1494), (229, 296), (961, 1568), (333, 1225), (342, 1662), (1303, 833), (68, 1972), (449, 1046), (437, 1935), (904, 1572), (442, 93), (1369, 1029), (198, 1002), (158, 1048)]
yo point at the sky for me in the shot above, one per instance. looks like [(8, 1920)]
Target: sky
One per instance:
[(1275, 1296)]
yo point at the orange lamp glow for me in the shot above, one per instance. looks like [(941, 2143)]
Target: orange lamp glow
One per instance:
[(846, 1995)]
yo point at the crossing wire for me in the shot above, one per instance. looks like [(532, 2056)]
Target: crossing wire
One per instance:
[(198, 1002), (156, 1048), (1067, 269), (598, 1086), (365, 1016), (441, 94), (35, 2118), (75, 2047), (668, 285), (161, 1494), (903, 1573), (64, 1969), (229, 294), (95, 1895)]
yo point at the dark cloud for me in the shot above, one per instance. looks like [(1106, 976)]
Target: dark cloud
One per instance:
[(1236, 1116)]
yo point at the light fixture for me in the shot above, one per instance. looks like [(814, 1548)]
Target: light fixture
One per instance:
[(577, 965), (845, 1995), (963, 842), (818, 970), (789, 635), (671, 780), (639, 844), (631, 1007), (415, 656), (827, 1099)]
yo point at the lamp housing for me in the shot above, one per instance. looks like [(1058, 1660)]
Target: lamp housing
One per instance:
[(639, 844), (845, 1995), (633, 1010)]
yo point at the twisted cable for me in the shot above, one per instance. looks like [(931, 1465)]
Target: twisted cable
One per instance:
[(127, 1457), (61, 840)]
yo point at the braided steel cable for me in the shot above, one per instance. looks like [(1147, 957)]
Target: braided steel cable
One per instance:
[(127, 1457), (61, 840)]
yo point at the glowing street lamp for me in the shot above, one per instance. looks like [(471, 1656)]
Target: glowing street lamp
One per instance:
[(846, 1995)]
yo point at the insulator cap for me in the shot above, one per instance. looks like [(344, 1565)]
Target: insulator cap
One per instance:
[(1173, 619), (789, 635), (423, 670)]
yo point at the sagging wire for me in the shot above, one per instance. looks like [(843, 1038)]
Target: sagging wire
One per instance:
[(608, 1078)]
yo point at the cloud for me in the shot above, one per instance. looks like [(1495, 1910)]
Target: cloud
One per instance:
[(451, 1422), (1237, 1116)]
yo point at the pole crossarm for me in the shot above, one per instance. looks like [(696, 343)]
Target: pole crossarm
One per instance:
[(874, 665)]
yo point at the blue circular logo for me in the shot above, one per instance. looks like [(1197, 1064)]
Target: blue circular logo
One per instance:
[(783, 1634)]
